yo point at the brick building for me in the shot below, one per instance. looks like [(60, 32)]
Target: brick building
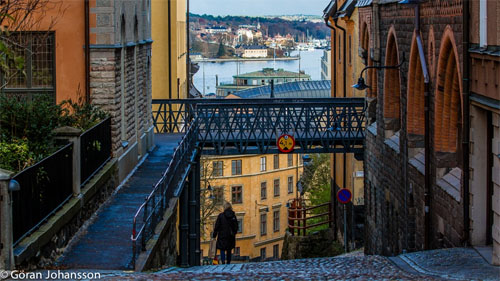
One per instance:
[(412, 206), (120, 74)]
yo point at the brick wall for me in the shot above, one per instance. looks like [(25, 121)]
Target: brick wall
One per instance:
[(394, 221)]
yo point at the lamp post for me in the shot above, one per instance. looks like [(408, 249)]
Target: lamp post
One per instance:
[(361, 85)]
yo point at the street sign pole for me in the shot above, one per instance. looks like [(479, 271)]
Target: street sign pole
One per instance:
[(344, 196), (345, 229)]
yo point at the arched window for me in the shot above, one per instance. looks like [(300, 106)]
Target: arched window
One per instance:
[(392, 88), (447, 110), (416, 99)]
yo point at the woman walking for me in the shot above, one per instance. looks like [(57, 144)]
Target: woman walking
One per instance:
[(225, 232)]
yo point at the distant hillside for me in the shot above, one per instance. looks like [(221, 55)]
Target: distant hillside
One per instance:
[(269, 26)]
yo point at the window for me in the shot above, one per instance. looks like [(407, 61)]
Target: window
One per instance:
[(277, 187), (236, 167), (276, 251), (262, 163), (276, 161), (262, 253), (38, 75), (276, 221), (263, 190), (240, 225), (218, 170), (237, 251), (301, 159), (218, 195), (290, 184), (263, 224), (290, 160), (236, 194)]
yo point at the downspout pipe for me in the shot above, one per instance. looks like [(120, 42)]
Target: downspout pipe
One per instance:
[(344, 64), (169, 49), (466, 118), (333, 184), (87, 51), (188, 61), (427, 97)]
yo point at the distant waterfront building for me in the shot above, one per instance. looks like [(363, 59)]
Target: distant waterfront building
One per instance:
[(326, 65), (217, 29), (253, 51), (195, 56), (260, 78)]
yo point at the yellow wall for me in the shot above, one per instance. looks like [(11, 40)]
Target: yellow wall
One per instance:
[(250, 240), (161, 48), (354, 65)]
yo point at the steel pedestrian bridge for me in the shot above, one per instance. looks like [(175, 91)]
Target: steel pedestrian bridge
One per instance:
[(186, 129)]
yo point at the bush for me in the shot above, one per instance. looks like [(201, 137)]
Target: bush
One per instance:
[(80, 114), (15, 156), (26, 127), (32, 121)]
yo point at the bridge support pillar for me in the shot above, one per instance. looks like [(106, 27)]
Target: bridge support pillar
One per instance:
[(197, 181), (194, 186), (184, 227)]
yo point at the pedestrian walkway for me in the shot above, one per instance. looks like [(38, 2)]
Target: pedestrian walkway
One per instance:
[(106, 244), (453, 263)]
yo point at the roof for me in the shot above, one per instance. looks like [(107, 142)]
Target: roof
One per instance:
[(299, 89), (364, 3), (253, 47), (330, 10), (346, 9), (272, 73)]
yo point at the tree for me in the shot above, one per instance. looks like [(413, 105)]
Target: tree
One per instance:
[(221, 52), (210, 201), (316, 179), (17, 16)]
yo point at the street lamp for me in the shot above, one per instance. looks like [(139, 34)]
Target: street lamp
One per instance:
[(361, 85), (209, 188)]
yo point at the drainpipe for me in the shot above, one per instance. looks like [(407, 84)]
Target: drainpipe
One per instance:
[(170, 50), (333, 187), (87, 51), (344, 64), (428, 178), (188, 61), (466, 118)]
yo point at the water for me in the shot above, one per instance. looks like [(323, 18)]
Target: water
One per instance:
[(310, 62)]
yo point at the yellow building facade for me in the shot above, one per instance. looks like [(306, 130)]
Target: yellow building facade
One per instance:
[(348, 171), (169, 34), (258, 187)]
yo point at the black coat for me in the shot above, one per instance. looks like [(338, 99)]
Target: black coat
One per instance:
[(225, 230)]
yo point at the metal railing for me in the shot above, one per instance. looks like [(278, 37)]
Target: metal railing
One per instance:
[(151, 212), (95, 149), (298, 217), (247, 126), (45, 187)]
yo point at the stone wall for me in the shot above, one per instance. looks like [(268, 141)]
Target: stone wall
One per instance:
[(394, 166), (319, 244)]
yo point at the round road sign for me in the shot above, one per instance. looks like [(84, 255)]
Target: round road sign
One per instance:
[(285, 143), (344, 195)]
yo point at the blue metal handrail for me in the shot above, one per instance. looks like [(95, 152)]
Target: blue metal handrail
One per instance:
[(169, 186)]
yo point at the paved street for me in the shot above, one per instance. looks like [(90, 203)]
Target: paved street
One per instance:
[(358, 267)]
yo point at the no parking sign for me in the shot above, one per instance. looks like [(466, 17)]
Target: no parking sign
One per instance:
[(344, 195)]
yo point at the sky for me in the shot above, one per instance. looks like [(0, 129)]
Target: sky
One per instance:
[(257, 7)]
